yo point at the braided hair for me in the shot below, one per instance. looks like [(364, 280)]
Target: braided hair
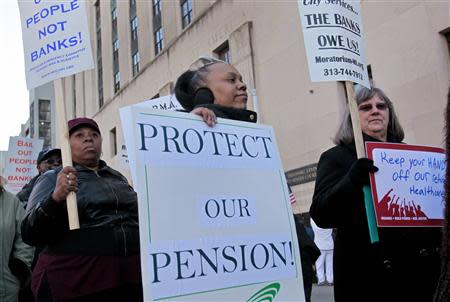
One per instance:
[(189, 85)]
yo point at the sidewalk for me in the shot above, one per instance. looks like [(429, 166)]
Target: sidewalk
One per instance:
[(322, 294)]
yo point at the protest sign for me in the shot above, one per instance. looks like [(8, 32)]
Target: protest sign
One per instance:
[(408, 189), (333, 37), (334, 42), (21, 162), (56, 39), (167, 102), (215, 220)]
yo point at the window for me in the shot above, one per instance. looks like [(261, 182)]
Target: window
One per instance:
[(114, 18), (113, 141), (156, 7), (186, 12), (135, 59), (134, 26), (116, 50), (100, 83), (223, 52), (97, 15), (99, 55), (32, 120), (115, 46), (116, 82), (45, 122), (159, 40), (446, 34)]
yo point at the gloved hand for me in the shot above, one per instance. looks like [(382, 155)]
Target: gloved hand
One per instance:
[(359, 171)]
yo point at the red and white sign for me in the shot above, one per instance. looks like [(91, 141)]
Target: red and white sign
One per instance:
[(21, 162), (408, 189)]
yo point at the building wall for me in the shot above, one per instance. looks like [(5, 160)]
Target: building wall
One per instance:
[(408, 56), (44, 92)]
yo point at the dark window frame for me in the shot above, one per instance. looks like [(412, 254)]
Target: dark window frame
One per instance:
[(159, 40), (186, 13)]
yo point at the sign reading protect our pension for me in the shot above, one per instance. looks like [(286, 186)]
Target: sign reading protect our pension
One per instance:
[(56, 39), (21, 162), (408, 189), (333, 36), (214, 213)]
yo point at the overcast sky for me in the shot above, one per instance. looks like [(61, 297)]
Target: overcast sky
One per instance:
[(13, 90)]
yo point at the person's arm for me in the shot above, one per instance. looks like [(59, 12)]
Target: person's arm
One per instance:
[(45, 219), (338, 189), (21, 253)]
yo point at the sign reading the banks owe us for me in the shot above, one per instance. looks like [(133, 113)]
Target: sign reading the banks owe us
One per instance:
[(55, 39), (333, 35), (215, 220)]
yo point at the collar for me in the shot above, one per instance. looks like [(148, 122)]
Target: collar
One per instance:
[(232, 113)]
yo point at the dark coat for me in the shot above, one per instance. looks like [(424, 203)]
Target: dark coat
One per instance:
[(232, 113), (24, 194), (107, 210), (403, 266)]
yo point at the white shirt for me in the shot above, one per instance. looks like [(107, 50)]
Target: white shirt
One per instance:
[(323, 238)]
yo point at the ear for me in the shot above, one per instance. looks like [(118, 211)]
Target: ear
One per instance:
[(203, 95)]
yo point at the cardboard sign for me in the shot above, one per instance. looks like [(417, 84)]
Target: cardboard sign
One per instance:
[(408, 189), (334, 41), (21, 162), (167, 102), (214, 213), (55, 39)]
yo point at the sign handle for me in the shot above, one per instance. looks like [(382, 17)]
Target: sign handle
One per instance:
[(66, 154), (361, 152)]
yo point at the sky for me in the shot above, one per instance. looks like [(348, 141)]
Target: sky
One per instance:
[(14, 93)]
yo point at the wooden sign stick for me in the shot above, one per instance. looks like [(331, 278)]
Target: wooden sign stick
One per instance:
[(66, 154), (361, 152)]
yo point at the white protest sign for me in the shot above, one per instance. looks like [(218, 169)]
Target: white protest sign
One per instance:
[(168, 102), (334, 42), (21, 162), (56, 39), (408, 189), (215, 220)]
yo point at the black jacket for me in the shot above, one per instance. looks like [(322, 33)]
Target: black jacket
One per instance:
[(402, 267), (107, 210), (231, 113), (24, 194)]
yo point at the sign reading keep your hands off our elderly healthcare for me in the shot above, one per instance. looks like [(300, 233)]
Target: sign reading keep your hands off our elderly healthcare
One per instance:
[(56, 39), (214, 212), (333, 36), (408, 189)]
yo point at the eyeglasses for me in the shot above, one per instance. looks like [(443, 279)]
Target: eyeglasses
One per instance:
[(368, 107), (52, 161)]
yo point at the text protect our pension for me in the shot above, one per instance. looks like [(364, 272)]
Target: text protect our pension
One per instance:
[(196, 146)]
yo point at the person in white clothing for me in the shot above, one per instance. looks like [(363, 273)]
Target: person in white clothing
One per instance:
[(323, 238)]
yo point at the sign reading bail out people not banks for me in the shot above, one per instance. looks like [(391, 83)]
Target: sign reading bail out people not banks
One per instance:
[(333, 35), (21, 164), (214, 213), (56, 39)]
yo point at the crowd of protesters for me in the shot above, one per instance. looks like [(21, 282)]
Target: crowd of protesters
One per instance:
[(100, 261)]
